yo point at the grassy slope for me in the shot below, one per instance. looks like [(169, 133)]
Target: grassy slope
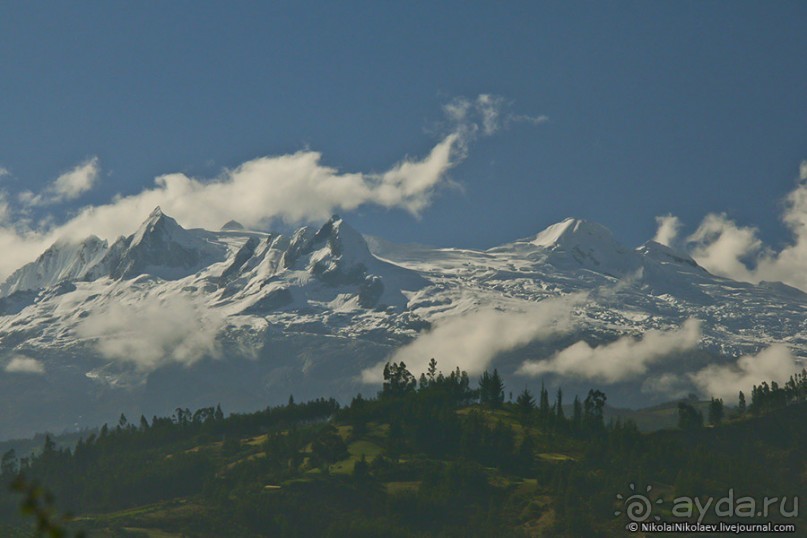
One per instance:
[(163, 520), (532, 508)]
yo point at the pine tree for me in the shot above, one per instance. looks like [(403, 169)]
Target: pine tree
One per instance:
[(559, 406), (432, 370), (491, 389), (689, 418), (756, 400), (497, 389), (525, 402), (593, 407), (543, 407), (398, 381), (715, 412), (741, 408), (361, 470), (484, 389), (577, 416)]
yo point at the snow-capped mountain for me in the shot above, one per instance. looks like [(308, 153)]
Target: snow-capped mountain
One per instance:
[(161, 248), (574, 243), (64, 261), (170, 316)]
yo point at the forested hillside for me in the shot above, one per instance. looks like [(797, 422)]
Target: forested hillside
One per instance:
[(438, 456)]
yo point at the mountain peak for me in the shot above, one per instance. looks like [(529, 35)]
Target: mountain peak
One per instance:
[(338, 239), (574, 231), (580, 243), (232, 226), (344, 240), (663, 253), (160, 224), (66, 259), (160, 247), (154, 217)]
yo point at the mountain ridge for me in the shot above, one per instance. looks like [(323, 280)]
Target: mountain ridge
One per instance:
[(306, 312)]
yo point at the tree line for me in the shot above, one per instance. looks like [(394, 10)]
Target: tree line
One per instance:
[(460, 442)]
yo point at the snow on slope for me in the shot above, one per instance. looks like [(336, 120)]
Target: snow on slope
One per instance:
[(161, 248), (327, 280), (306, 313), (632, 291), (575, 244), (64, 261)]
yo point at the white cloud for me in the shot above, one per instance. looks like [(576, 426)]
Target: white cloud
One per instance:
[(4, 171), (5, 209), (485, 114), (490, 107), (154, 332), (721, 246), (622, 360), (77, 181), (736, 252), (668, 227), (472, 340), (24, 365), (775, 363), (18, 247), (295, 188), (67, 186), (789, 265), (668, 384), (533, 120)]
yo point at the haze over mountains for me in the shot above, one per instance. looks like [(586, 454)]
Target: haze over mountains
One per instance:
[(171, 317)]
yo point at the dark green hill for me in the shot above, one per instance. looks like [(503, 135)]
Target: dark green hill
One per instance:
[(430, 459)]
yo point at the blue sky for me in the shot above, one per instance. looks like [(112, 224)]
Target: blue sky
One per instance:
[(687, 108)]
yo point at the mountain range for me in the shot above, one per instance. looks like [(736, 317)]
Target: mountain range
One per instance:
[(170, 317)]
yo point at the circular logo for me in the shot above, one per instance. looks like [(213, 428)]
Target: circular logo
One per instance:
[(638, 506)]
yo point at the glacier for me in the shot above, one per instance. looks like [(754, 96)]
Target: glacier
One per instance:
[(170, 317)]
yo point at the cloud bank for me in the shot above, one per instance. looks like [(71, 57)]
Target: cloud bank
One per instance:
[(727, 249), (623, 360), (154, 332), (721, 246), (24, 365), (471, 341), (294, 188), (66, 187), (667, 383), (668, 227), (486, 114), (18, 246), (775, 363)]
